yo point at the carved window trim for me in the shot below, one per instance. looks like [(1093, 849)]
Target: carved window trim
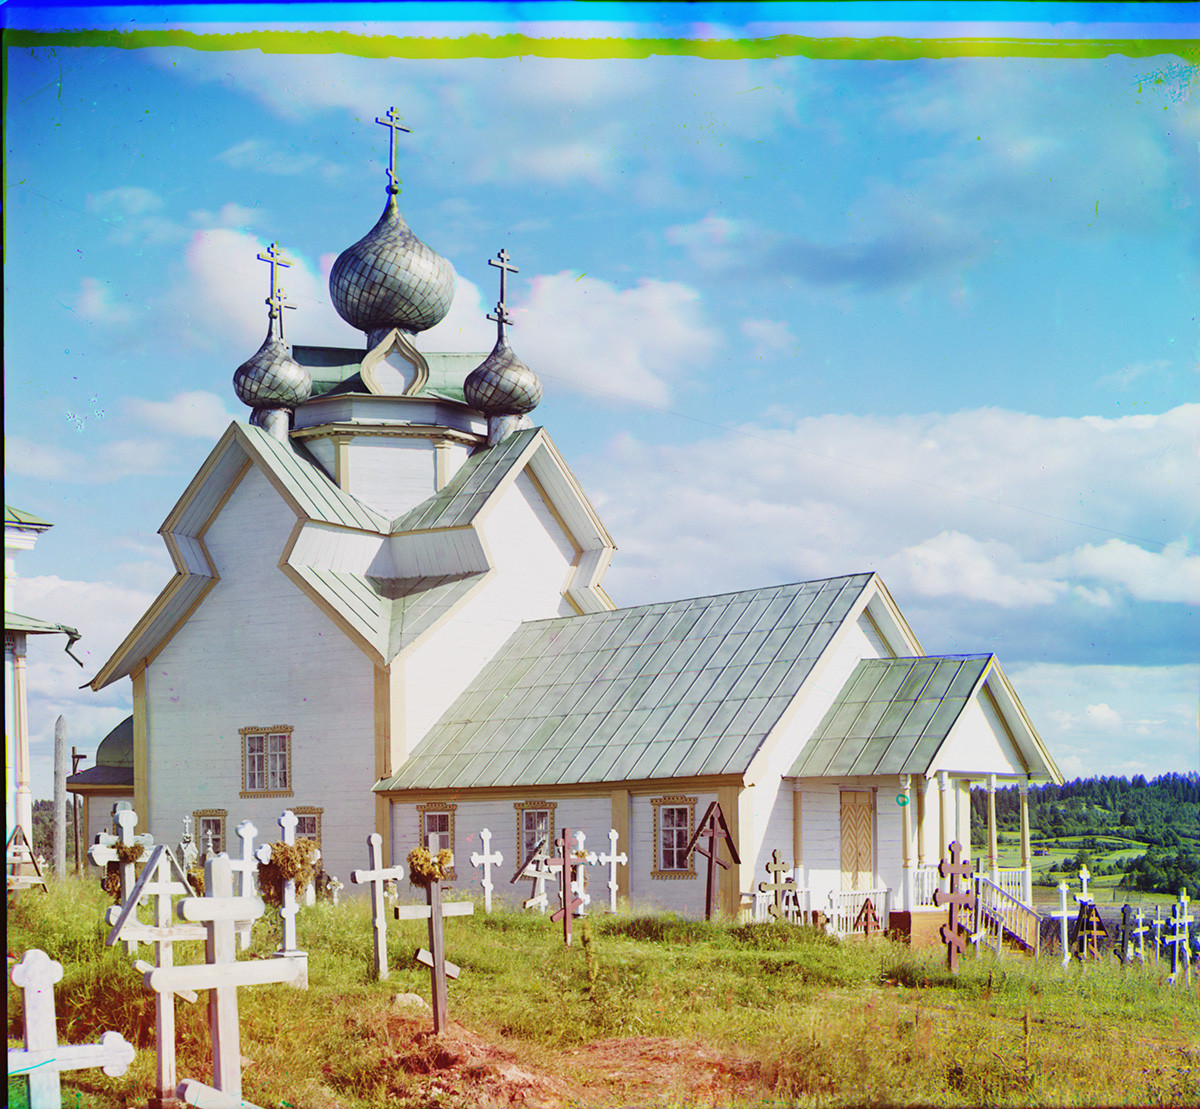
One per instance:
[(671, 802), (535, 806), (437, 807), (244, 735), (313, 811), (212, 814)]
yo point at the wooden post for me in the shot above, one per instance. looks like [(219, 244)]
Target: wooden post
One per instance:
[(945, 835), (486, 860), (1026, 845), (568, 902), (435, 911), (60, 797), (377, 876), (993, 839), (44, 1058), (922, 791), (904, 800), (76, 758), (712, 827)]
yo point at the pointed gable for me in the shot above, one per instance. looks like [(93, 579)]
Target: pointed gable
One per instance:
[(684, 689)]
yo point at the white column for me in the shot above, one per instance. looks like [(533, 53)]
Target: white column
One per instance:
[(1026, 852), (945, 835), (906, 845), (992, 841), (14, 654)]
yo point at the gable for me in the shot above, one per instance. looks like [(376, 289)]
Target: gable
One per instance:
[(681, 689)]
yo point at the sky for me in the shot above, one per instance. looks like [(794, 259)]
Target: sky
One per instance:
[(796, 315)]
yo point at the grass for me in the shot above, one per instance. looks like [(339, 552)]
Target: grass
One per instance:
[(819, 1022)]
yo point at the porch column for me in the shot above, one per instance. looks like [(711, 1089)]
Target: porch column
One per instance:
[(922, 789), (1026, 852), (906, 852), (993, 847), (944, 833)]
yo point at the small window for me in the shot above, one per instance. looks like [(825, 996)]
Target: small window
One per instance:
[(308, 824), (535, 824), (210, 823), (266, 761), (674, 822), (436, 824)]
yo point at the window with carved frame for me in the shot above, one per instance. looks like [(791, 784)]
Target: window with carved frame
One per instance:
[(674, 823), (210, 822), (266, 761), (435, 823), (308, 823), (535, 822)]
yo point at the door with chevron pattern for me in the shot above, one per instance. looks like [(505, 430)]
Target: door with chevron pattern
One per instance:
[(858, 836)]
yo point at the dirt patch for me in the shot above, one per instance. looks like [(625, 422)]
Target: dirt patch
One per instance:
[(460, 1067)]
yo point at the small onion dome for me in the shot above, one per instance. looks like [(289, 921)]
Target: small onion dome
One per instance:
[(271, 377), (502, 385), (389, 278)]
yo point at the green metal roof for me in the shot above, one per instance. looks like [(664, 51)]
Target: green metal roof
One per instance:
[(337, 370), (670, 690), (470, 489), (891, 717), (25, 519)]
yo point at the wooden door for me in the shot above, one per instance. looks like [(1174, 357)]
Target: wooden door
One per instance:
[(858, 836)]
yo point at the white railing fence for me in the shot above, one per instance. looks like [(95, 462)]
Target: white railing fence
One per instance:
[(925, 883), (795, 906), (997, 911), (846, 905)]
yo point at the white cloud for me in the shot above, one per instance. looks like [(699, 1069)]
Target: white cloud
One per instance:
[(196, 415), (767, 337), (30, 459), (1102, 716), (466, 327), (1172, 574), (630, 344), (134, 213), (95, 304), (268, 156)]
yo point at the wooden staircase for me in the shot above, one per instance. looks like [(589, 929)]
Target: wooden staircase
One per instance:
[(1000, 916)]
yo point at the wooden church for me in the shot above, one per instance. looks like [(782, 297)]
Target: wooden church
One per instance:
[(388, 615)]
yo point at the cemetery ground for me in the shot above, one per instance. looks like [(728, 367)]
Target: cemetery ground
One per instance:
[(640, 1010)]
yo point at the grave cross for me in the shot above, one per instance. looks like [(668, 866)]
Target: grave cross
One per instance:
[(243, 871), (1140, 930), (222, 974), (1064, 917), (19, 855), (161, 879), (486, 860), (567, 901), (867, 918), (611, 860), (377, 876), (1178, 939), (44, 1058), (1089, 930), (287, 913), (104, 852), (581, 858), (1123, 948), (1084, 875), (955, 931), (434, 911), (392, 122), (775, 868), (536, 866), (713, 828), (188, 854)]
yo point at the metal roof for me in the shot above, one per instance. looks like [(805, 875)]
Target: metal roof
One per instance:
[(678, 689), (337, 370), (24, 519), (891, 717), (471, 488)]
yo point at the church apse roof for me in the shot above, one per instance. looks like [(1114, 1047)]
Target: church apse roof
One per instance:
[(679, 689)]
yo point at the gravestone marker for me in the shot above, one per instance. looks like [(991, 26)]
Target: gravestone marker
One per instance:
[(1089, 930), (960, 899), (536, 866), (612, 860), (567, 901), (115, 852), (43, 1058), (581, 859), (1064, 916), (487, 860), (779, 887), (287, 912), (20, 860), (714, 830), (377, 876), (222, 974), (1178, 939), (244, 871), (434, 911)]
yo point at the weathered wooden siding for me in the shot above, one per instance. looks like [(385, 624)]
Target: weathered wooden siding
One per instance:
[(258, 652), (391, 475), (684, 895)]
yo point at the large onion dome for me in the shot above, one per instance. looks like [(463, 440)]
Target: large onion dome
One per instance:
[(390, 278), (502, 385)]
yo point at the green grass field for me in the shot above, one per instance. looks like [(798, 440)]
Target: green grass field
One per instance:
[(712, 1014)]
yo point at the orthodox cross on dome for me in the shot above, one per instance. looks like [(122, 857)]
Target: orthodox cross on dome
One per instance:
[(501, 315), (392, 122), (275, 301)]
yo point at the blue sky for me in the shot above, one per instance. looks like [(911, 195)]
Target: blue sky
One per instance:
[(795, 317)]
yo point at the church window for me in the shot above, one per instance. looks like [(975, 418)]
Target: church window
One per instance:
[(210, 822), (437, 829), (266, 761), (308, 823), (535, 822), (674, 822)]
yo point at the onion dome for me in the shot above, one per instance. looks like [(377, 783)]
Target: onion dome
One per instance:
[(502, 385), (389, 278), (271, 381)]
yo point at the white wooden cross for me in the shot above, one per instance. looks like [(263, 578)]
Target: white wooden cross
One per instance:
[(188, 855), (104, 850), (1063, 916), (287, 914), (161, 879), (1140, 930), (1084, 875), (43, 1058), (244, 871), (196, 1095), (536, 867), (581, 857), (221, 975), (487, 860), (1180, 949), (377, 876), (611, 860)]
